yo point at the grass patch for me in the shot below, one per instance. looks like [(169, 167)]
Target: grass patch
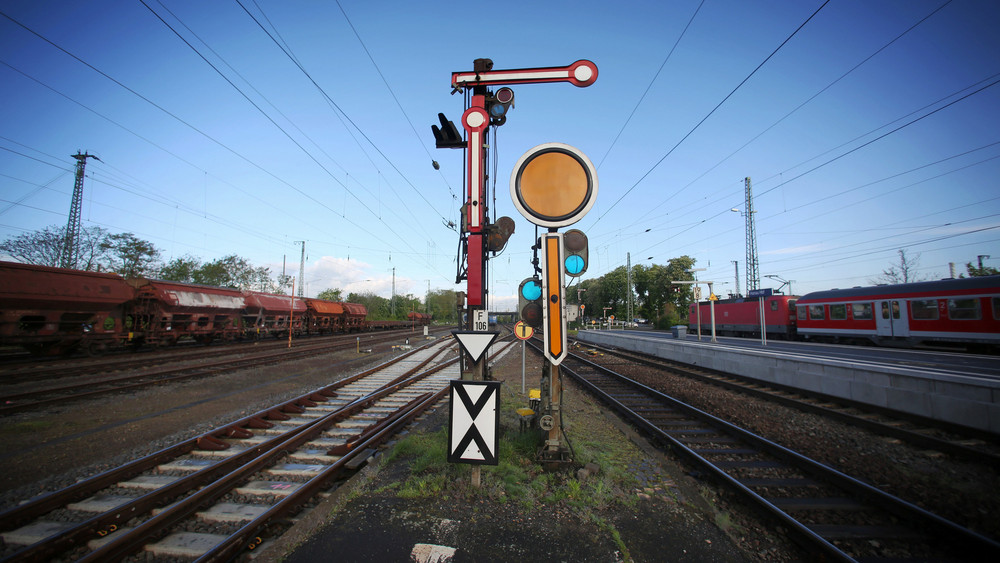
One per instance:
[(518, 478), (725, 523), (28, 426)]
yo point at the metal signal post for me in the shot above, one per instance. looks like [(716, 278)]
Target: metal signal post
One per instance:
[(488, 108), (554, 185), (478, 236)]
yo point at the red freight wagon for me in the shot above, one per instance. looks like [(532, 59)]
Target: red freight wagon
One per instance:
[(270, 314), (419, 318), (54, 310), (324, 316), (741, 317), (164, 312), (965, 310), (354, 317)]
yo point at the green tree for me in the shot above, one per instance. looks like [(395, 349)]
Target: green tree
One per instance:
[(378, 307), (229, 271), (45, 247), (332, 294), (442, 306), (975, 271), (180, 269), (130, 256)]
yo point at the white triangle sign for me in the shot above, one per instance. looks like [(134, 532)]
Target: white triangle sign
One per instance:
[(475, 343)]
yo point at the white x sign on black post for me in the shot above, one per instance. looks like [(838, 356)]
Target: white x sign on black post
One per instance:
[(474, 426)]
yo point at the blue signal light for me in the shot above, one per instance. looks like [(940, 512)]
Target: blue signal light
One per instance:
[(531, 291), (575, 265)]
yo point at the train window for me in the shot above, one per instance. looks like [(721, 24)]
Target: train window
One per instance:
[(800, 312), (964, 309), (815, 312), (885, 309), (861, 311), (924, 309), (838, 312), (774, 305)]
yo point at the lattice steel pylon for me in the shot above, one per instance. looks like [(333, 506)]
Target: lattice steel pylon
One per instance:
[(753, 265), (71, 242), (302, 271)]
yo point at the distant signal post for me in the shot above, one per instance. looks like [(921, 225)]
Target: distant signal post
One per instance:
[(554, 185)]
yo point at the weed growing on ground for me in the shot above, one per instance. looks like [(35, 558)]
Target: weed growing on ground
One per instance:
[(518, 478)]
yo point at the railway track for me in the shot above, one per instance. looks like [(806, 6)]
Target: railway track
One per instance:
[(171, 373), (37, 369), (219, 495), (826, 511), (922, 432)]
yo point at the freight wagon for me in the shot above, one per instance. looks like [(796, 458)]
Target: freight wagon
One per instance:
[(53, 311)]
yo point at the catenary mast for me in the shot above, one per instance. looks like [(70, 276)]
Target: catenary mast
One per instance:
[(71, 242), (753, 265)]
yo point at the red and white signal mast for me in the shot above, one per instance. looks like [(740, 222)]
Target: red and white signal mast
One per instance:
[(488, 98)]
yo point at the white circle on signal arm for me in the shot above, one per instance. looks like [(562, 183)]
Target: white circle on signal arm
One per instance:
[(475, 119), (583, 73)]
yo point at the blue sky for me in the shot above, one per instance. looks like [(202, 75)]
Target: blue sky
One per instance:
[(845, 131)]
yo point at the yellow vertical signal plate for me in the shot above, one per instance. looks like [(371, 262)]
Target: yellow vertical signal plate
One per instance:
[(552, 280)]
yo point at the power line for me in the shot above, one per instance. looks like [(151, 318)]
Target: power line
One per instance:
[(650, 85), (339, 109), (164, 110), (697, 125), (420, 139), (798, 107), (880, 137)]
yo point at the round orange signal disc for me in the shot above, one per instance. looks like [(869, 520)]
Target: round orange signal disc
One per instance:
[(553, 185)]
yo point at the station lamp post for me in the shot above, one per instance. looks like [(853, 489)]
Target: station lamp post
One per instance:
[(711, 303)]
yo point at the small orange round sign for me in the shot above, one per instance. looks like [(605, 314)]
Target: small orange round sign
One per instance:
[(523, 331)]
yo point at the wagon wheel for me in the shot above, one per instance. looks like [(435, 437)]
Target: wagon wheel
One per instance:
[(95, 348)]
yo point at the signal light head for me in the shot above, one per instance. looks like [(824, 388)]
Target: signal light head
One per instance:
[(498, 233), (529, 297), (575, 244), (531, 289), (575, 265), (499, 102)]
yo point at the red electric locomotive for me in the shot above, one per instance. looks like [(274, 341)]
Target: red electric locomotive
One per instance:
[(741, 317), (964, 310)]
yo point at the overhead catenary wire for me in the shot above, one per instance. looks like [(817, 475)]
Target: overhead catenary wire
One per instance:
[(796, 109), (717, 106), (339, 109), (161, 108)]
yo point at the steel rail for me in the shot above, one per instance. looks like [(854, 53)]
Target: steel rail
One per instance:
[(134, 539), (963, 538), (10, 404), (93, 526), (834, 408)]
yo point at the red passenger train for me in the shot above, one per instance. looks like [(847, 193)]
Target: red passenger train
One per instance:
[(51, 311), (964, 311)]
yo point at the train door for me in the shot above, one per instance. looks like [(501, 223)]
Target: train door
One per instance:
[(892, 318)]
